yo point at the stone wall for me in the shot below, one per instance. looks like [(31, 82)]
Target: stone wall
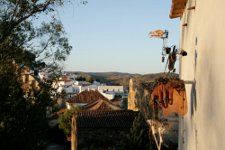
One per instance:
[(138, 96), (138, 99)]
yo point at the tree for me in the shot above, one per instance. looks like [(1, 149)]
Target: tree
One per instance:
[(138, 137), (87, 79), (90, 80), (65, 121), (25, 42), (80, 78), (20, 37), (23, 123)]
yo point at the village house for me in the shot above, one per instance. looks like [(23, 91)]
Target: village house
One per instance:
[(72, 91), (70, 87), (108, 88), (84, 98), (109, 95), (112, 91), (202, 36), (81, 83), (101, 105), (65, 85), (101, 130)]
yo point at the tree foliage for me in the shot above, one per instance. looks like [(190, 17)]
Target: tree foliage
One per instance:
[(138, 138), (23, 119), (87, 79), (65, 121), (80, 78), (21, 35), (28, 39)]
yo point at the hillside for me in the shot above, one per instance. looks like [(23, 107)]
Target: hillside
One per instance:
[(117, 78)]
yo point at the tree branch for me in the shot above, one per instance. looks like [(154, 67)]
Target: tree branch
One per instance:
[(13, 24)]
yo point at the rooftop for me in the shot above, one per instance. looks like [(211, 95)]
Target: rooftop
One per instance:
[(101, 105), (106, 119), (177, 8), (87, 97)]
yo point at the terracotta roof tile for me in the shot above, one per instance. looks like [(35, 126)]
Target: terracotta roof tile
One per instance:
[(87, 97), (100, 105), (106, 119)]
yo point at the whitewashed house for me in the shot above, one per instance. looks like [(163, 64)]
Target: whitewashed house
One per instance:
[(96, 83), (84, 98), (202, 35), (109, 95), (108, 88), (81, 83), (65, 85)]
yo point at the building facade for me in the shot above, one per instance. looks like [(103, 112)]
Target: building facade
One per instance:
[(101, 130), (202, 35), (108, 88)]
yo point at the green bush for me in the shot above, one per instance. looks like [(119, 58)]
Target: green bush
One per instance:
[(65, 121)]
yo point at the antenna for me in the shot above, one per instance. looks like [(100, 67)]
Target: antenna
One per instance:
[(172, 54), (162, 34)]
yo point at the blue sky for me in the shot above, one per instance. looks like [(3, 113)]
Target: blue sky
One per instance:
[(112, 35)]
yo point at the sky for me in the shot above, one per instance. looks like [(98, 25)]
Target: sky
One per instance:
[(112, 35)]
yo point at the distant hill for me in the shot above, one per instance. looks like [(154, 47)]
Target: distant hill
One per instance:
[(117, 78)]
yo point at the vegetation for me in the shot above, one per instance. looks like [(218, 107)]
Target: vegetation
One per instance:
[(117, 78), (87, 79), (65, 121), (138, 137), (24, 42), (80, 78)]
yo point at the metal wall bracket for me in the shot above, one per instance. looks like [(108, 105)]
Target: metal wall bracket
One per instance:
[(189, 82)]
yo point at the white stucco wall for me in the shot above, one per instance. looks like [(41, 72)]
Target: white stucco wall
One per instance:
[(119, 89), (69, 83), (81, 82), (74, 105), (69, 89), (203, 128), (93, 87), (77, 88), (109, 96), (83, 88)]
